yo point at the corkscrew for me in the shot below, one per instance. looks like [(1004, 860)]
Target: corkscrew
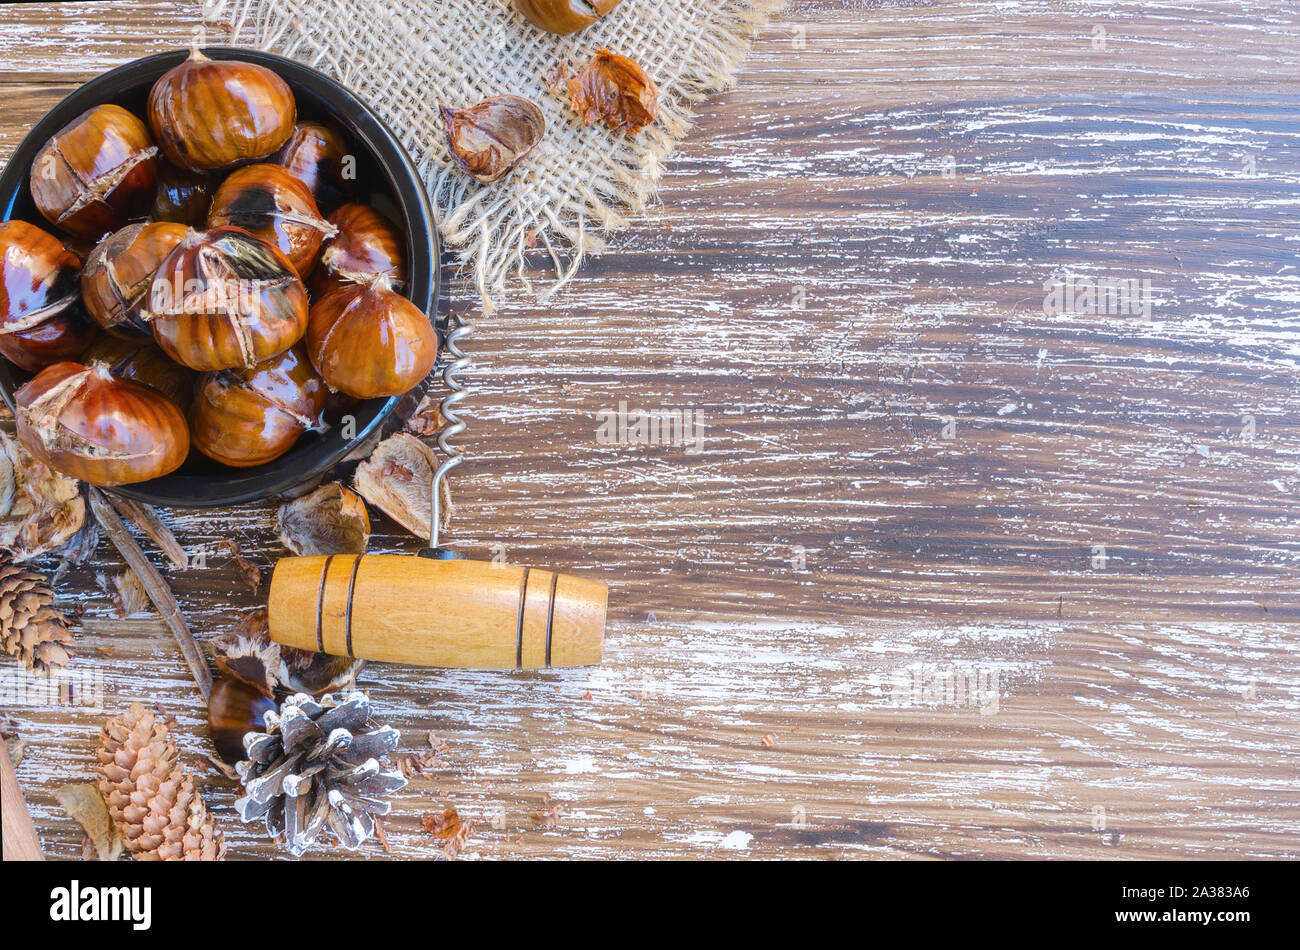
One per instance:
[(438, 609)]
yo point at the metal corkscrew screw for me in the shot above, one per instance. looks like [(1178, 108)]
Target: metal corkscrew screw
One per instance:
[(458, 328)]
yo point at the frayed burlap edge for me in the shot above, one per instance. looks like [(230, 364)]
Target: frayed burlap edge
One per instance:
[(492, 228)]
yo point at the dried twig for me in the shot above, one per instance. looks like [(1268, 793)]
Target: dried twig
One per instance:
[(146, 519), (154, 585)]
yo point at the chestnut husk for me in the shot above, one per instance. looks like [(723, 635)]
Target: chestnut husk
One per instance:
[(224, 299), (330, 520), (235, 708), (490, 139), (266, 200), (249, 655), (116, 279), (396, 479), (95, 173), (85, 423), (41, 510), (365, 246), (564, 16), (212, 114), (42, 320), (317, 155), (367, 340), (143, 362), (246, 417), (615, 90), (183, 196)]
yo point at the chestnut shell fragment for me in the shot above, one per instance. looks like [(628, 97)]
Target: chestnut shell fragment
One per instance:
[(489, 139), (85, 423), (41, 317), (224, 298), (615, 90)]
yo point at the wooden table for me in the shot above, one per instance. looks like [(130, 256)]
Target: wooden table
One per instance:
[(952, 575)]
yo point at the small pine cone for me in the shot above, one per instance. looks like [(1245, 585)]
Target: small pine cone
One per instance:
[(151, 795), (31, 627)]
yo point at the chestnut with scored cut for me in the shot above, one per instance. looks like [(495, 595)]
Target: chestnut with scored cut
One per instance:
[(223, 299), (267, 201), (41, 316), (317, 155), (245, 417), (489, 139), (366, 246), (85, 423), (367, 340), (115, 282), (183, 196), (95, 173), (218, 113), (564, 16)]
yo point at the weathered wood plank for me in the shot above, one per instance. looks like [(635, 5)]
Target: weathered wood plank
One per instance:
[(905, 460)]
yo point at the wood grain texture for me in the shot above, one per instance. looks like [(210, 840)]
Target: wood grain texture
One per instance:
[(948, 576)]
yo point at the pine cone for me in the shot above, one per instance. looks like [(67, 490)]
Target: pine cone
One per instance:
[(317, 768), (151, 795), (31, 626)]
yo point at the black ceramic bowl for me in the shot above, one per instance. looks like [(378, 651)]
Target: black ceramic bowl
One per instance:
[(383, 169)]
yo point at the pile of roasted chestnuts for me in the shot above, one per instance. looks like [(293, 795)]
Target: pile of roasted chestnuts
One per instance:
[(232, 288)]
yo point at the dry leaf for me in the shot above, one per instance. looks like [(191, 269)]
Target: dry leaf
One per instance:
[(251, 573), (129, 597), (547, 819), (448, 827), (84, 803), (16, 750), (768, 741)]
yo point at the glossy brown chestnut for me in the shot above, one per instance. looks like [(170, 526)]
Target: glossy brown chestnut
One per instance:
[(317, 155), (564, 16), (489, 139), (41, 316), (367, 340), (366, 246), (224, 298), (246, 417), (208, 114), (117, 276), (96, 172), (143, 362), (183, 196), (235, 708), (268, 201), (85, 423)]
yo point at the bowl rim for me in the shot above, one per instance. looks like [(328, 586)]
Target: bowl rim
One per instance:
[(423, 288)]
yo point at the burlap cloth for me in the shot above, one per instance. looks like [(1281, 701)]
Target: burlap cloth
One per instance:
[(405, 59)]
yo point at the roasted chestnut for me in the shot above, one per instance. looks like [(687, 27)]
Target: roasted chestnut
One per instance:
[(183, 196), (224, 298), (41, 317), (317, 155), (366, 340), (208, 114), (143, 362), (115, 282), (235, 708), (96, 172), (246, 417), (85, 423), (268, 201), (564, 16), (366, 246), (489, 139)]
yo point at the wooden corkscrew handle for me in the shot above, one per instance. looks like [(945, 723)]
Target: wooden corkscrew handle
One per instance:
[(452, 613)]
